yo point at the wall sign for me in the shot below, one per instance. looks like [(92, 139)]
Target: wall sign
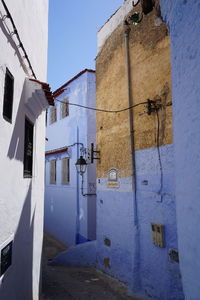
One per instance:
[(113, 178)]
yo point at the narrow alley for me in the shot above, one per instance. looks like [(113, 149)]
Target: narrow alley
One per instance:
[(62, 283)]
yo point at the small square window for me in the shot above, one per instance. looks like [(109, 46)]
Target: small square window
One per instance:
[(8, 96), (53, 171), (28, 149), (65, 171)]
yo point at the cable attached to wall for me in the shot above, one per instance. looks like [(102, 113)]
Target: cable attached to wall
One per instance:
[(152, 106), (103, 110), (15, 32)]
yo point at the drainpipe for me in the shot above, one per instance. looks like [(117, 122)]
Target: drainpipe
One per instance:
[(131, 126), (77, 195), (133, 160)]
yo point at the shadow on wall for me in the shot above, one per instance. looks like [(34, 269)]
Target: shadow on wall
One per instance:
[(27, 108), (17, 281), (16, 148), (12, 44)]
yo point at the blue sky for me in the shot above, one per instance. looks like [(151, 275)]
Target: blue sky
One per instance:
[(73, 27)]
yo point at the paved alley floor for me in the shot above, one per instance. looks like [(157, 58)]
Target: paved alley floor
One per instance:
[(62, 283)]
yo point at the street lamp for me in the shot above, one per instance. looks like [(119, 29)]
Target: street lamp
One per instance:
[(81, 165)]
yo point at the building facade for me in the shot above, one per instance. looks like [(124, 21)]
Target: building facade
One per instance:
[(23, 101), (70, 199), (136, 203)]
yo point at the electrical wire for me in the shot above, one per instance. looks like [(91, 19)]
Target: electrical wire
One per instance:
[(159, 154), (103, 110)]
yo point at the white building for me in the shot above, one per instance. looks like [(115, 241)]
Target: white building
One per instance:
[(70, 205), (23, 40)]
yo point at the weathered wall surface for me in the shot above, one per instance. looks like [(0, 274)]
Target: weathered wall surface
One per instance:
[(183, 20), (150, 69), (124, 239), (21, 199)]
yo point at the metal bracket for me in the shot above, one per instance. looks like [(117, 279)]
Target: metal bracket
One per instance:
[(94, 153), (153, 106)]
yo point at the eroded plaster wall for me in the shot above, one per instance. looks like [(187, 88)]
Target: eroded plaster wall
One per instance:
[(124, 239), (150, 69)]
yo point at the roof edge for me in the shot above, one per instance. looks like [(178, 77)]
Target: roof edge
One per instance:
[(57, 91), (56, 151)]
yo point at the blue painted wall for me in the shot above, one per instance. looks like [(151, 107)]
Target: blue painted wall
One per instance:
[(132, 257), (182, 18)]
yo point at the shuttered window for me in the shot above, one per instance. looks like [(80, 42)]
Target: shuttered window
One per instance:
[(65, 171), (65, 108), (28, 149), (53, 115), (8, 96), (53, 171)]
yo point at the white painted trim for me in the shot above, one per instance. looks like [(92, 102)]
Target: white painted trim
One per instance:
[(115, 20)]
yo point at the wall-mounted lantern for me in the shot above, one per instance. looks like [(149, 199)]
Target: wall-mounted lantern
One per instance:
[(81, 165)]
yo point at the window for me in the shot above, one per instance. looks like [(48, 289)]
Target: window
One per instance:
[(65, 171), (53, 115), (64, 108), (8, 96), (6, 258), (53, 171), (28, 149)]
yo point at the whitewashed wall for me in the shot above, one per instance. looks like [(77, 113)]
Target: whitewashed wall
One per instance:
[(21, 199)]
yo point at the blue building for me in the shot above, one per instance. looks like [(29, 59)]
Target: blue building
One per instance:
[(70, 200)]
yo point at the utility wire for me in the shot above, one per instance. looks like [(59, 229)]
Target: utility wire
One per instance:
[(103, 110)]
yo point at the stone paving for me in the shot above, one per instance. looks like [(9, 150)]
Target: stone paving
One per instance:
[(62, 283)]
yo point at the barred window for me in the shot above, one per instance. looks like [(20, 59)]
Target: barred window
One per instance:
[(65, 171), (53, 115), (6, 258), (28, 149), (8, 96), (64, 108), (53, 171)]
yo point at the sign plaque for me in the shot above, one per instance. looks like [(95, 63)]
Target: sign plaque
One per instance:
[(113, 178)]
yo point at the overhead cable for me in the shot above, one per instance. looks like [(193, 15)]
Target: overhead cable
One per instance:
[(102, 110)]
